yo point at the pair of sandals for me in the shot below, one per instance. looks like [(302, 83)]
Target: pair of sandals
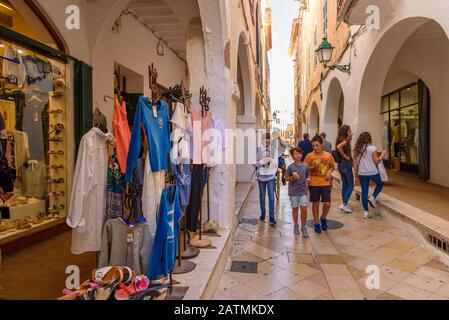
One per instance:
[(103, 282)]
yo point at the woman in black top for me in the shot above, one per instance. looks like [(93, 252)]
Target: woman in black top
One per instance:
[(345, 166)]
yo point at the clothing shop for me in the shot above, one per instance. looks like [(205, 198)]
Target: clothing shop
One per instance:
[(36, 115), (137, 191)]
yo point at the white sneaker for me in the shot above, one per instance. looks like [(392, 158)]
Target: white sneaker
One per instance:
[(345, 209), (350, 207), (372, 202), (367, 215)]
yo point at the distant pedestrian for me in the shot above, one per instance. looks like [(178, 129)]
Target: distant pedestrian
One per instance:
[(345, 167), (267, 168), (327, 145), (366, 162), (305, 145), (321, 164), (297, 175)]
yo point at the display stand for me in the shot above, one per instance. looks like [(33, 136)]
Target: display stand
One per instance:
[(200, 241)]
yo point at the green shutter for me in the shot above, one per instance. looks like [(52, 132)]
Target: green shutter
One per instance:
[(83, 100)]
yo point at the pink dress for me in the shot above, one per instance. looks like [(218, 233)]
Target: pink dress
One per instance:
[(122, 134), (201, 137)]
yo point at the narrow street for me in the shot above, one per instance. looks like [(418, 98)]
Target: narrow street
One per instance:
[(330, 265)]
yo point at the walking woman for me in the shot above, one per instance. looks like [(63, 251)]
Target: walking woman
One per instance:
[(366, 163), (345, 166)]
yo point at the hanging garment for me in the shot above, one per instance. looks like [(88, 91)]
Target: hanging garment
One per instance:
[(153, 185), (87, 205), (8, 111), (183, 180), (121, 133), (125, 245), (181, 135), (157, 130), (33, 122), (200, 175), (200, 147), (21, 150), (114, 194), (137, 186), (163, 255), (34, 180), (10, 68)]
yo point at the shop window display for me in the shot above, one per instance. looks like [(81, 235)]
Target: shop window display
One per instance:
[(32, 105)]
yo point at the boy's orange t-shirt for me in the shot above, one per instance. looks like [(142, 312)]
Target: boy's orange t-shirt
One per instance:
[(324, 162)]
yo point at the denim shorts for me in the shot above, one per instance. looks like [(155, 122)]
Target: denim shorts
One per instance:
[(299, 201)]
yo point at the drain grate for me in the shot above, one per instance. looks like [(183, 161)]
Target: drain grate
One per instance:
[(244, 266), (332, 224), (253, 222), (441, 244)]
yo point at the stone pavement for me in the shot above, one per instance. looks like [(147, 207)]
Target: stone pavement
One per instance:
[(331, 265)]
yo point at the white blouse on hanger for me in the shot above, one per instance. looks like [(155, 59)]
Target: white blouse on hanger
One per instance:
[(87, 205)]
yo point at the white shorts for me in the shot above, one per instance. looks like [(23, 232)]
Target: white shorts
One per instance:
[(300, 201)]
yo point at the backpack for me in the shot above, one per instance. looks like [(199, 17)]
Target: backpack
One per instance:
[(337, 156)]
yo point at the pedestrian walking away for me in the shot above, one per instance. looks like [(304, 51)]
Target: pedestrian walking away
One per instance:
[(327, 145), (345, 166), (305, 145), (367, 159)]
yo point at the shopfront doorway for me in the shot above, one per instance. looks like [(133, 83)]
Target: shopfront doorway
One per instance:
[(404, 127)]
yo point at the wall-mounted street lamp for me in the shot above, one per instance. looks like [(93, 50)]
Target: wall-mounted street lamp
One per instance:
[(324, 53)]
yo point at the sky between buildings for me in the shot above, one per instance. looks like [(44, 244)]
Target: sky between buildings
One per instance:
[(281, 67)]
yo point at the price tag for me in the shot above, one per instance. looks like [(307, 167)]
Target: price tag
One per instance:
[(130, 236), (154, 112)]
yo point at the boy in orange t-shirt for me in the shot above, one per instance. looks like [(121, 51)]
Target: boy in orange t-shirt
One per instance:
[(321, 166)]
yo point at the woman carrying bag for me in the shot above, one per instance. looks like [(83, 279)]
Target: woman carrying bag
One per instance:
[(366, 167)]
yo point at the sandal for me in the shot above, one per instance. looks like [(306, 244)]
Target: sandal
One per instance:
[(74, 295), (140, 283)]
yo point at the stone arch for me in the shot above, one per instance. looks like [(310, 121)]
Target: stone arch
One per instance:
[(412, 48), (333, 113), (245, 78)]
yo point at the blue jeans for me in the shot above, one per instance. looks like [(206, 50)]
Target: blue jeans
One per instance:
[(263, 187), (364, 183), (347, 181)]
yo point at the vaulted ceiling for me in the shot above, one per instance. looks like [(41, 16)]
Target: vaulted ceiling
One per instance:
[(169, 19)]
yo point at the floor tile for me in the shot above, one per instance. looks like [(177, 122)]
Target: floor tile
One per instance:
[(308, 289), (403, 265), (417, 255), (247, 257), (302, 270), (319, 279), (437, 297), (330, 259), (388, 296), (443, 290), (409, 293), (422, 282), (284, 294)]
